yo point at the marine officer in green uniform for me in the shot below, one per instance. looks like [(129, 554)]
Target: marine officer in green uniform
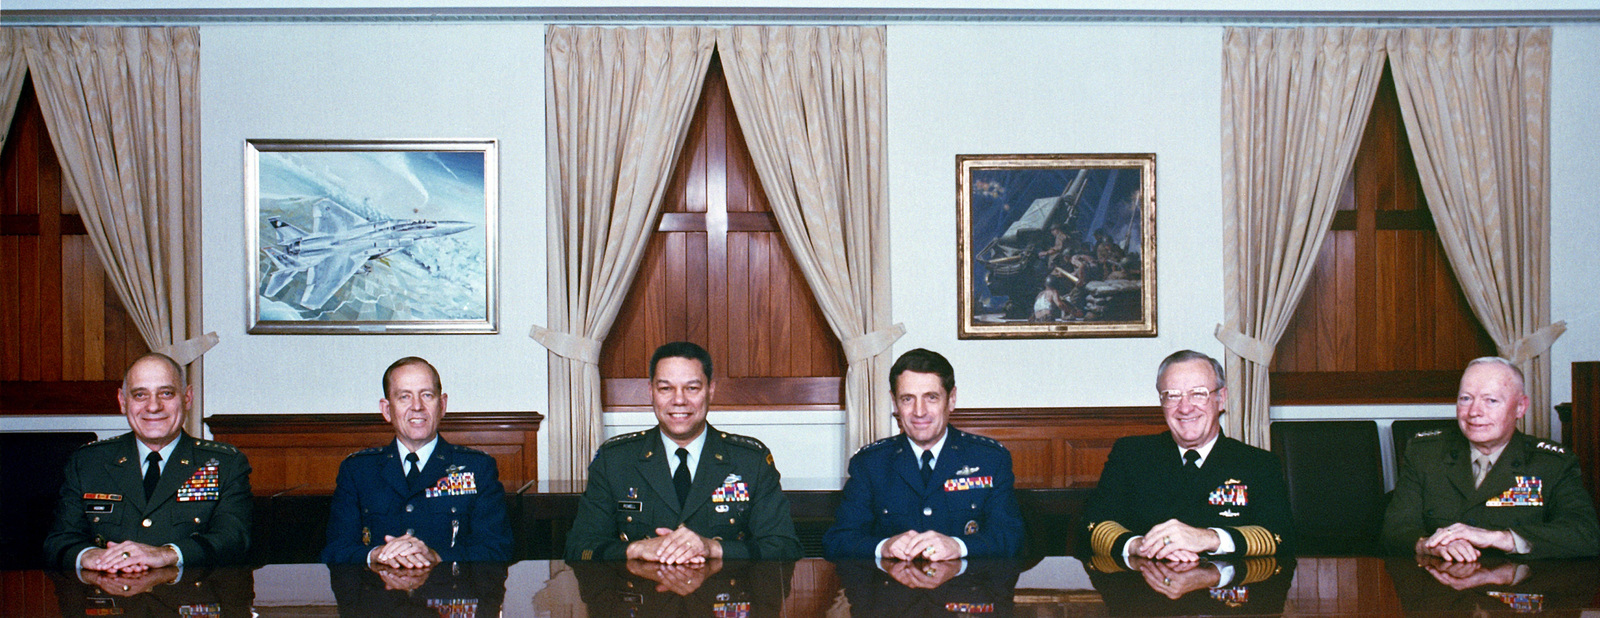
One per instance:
[(682, 492), (1489, 486), (156, 496)]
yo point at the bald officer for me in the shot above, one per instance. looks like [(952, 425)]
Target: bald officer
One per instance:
[(156, 496)]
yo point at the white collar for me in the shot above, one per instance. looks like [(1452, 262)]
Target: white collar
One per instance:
[(936, 449), (694, 447), (1204, 450), (166, 451), (422, 453)]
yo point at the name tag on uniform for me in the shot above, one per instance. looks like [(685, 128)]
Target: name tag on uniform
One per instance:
[(1231, 493), (630, 505), (1527, 491), (970, 482), (204, 484), (98, 508), (453, 484)]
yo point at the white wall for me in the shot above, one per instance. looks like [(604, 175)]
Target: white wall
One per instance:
[(953, 89), (998, 89), (372, 81)]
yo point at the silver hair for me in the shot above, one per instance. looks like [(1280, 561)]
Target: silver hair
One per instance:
[(1522, 385), (1184, 356)]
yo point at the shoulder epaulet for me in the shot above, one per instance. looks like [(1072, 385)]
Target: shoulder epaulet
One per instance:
[(1550, 446), (624, 438), (744, 441), (984, 440), (367, 451), (879, 444), (1428, 434), (215, 446), (102, 442)]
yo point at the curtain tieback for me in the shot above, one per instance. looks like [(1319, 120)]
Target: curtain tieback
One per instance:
[(1250, 348), (567, 345), (186, 351), (866, 346), (1536, 343)]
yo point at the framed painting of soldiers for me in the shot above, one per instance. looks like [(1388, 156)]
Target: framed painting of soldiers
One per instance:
[(1056, 245), (371, 237)]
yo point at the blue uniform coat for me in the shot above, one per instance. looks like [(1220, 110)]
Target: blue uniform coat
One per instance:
[(459, 522), (969, 497)]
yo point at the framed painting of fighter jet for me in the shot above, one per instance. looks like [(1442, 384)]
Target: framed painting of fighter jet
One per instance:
[(1056, 245), (372, 237)]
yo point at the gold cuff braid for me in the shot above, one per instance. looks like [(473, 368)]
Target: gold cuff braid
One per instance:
[(1259, 568), (1103, 536), (1258, 541)]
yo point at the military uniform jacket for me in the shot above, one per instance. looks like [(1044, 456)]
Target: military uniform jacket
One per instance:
[(736, 498), (202, 503), (968, 497), (1239, 489), (1534, 489), (458, 509)]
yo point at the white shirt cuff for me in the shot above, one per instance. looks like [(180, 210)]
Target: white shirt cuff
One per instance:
[(1224, 541), (963, 545)]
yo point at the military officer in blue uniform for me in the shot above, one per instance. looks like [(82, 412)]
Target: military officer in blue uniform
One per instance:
[(419, 500), (1489, 486), (682, 492), (1189, 492), (933, 492), (154, 497)]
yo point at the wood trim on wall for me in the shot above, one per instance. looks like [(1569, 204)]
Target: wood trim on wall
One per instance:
[(1059, 447), (1364, 387), (633, 394), (56, 397), (301, 452)]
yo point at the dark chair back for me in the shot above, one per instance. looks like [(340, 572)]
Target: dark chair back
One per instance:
[(1401, 432), (1335, 476), (32, 469)]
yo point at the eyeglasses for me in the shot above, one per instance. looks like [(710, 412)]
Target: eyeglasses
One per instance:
[(1197, 397)]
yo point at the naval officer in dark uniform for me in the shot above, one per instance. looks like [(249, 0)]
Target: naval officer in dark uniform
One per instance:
[(933, 492), (1489, 486), (419, 500), (156, 496), (1189, 492), (683, 491)]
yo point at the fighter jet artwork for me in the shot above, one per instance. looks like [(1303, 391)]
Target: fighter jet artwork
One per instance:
[(339, 245)]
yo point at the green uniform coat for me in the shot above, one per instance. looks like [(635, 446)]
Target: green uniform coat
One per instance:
[(630, 494), (1434, 489), (102, 501)]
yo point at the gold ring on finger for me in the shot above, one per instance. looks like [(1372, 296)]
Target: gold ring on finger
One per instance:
[(127, 555), (1166, 540)]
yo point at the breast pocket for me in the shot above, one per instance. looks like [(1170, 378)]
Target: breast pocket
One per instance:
[(103, 514)]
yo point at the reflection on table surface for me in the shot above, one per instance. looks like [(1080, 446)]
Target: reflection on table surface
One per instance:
[(1054, 586)]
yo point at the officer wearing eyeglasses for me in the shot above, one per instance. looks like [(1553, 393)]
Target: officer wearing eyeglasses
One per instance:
[(1189, 492)]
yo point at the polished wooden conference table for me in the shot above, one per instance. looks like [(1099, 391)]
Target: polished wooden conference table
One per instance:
[(1052, 586)]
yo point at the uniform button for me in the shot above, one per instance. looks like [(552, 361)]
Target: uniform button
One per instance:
[(630, 518), (147, 523), (411, 532), (927, 511), (97, 519), (623, 536), (452, 509), (409, 507), (197, 520)]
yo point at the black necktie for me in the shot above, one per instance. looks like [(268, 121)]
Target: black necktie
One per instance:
[(152, 474), (1191, 460), (413, 474), (927, 466), (680, 478)]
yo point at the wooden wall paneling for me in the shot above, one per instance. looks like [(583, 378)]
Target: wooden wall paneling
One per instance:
[(1345, 339), (700, 280), (73, 333), (10, 309), (302, 452), (1059, 447), (28, 295), (740, 320), (1585, 427)]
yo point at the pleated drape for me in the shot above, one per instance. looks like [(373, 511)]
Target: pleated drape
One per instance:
[(811, 102), (618, 102), (1476, 107), (1294, 104)]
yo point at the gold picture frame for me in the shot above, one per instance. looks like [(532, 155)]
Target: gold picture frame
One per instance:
[(1056, 245), (372, 236)]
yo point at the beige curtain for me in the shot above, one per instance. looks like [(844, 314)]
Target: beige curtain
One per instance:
[(123, 108), (811, 101), (617, 107), (1476, 108), (1294, 103), (13, 70)]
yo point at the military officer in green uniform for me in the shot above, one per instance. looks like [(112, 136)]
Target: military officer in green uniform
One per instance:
[(156, 496), (1489, 486), (682, 492)]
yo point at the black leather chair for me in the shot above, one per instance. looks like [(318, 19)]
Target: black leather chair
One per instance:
[(1401, 432), (1335, 476), (32, 469)]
